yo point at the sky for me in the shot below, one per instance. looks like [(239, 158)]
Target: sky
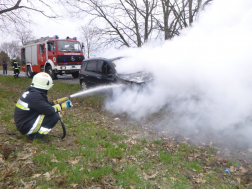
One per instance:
[(202, 79), (48, 27)]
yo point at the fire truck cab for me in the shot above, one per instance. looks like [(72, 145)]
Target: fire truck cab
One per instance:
[(53, 56)]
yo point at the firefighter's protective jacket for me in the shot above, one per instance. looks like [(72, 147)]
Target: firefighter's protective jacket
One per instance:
[(15, 65), (31, 104)]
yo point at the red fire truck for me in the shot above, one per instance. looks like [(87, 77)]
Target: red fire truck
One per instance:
[(53, 56)]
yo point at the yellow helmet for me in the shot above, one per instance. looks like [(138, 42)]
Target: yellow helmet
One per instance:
[(42, 80), (14, 58)]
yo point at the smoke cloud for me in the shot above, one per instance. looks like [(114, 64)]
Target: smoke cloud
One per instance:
[(203, 77)]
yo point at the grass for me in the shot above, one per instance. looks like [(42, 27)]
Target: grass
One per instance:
[(101, 151)]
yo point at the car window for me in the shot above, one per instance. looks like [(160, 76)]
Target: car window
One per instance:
[(109, 70), (41, 48), (51, 46), (103, 68), (91, 66)]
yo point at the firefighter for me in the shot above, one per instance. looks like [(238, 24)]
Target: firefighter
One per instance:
[(15, 67), (34, 115)]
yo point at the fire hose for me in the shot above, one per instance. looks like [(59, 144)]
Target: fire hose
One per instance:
[(59, 101), (63, 126)]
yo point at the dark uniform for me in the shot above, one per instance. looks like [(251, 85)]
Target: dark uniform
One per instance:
[(34, 115), (16, 67)]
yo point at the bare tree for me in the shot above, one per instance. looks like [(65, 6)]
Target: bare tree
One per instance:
[(24, 35), (131, 23), (16, 13), (207, 2), (127, 22), (12, 49), (142, 28), (169, 22), (90, 35), (178, 14)]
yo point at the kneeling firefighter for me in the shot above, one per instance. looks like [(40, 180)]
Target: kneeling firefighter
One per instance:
[(34, 115)]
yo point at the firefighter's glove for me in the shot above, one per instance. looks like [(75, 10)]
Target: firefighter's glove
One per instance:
[(61, 107), (66, 105), (69, 104), (57, 107)]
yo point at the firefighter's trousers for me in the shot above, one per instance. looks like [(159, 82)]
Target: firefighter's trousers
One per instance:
[(39, 130), (16, 73)]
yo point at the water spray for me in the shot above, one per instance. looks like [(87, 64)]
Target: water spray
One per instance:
[(86, 92), (94, 90), (78, 94)]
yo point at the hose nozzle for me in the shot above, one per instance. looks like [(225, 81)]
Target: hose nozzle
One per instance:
[(60, 100)]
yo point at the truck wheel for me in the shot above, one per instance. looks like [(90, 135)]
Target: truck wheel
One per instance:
[(83, 85), (51, 72), (29, 72), (75, 74)]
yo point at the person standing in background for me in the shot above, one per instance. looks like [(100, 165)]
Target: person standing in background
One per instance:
[(16, 67), (4, 64)]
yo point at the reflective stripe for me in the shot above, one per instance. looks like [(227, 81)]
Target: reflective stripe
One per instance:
[(22, 105), (44, 130), (57, 108), (36, 125)]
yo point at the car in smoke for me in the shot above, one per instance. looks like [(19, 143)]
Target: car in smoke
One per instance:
[(102, 71)]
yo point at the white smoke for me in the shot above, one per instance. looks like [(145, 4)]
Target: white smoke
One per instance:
[(204, 76)]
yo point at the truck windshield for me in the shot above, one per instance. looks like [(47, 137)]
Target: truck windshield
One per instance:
[(68, 46)]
